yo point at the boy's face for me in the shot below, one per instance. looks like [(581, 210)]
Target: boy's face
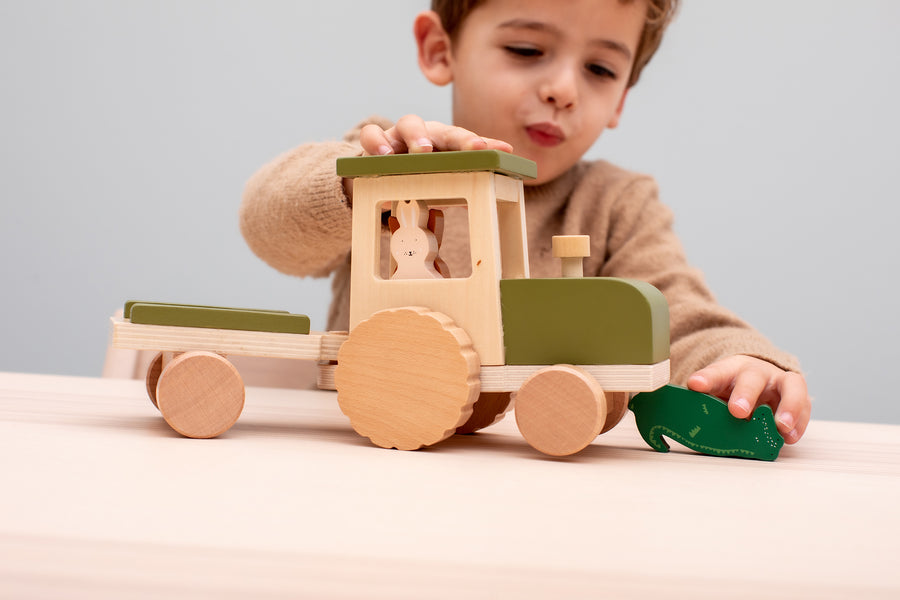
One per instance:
[(547, 77)]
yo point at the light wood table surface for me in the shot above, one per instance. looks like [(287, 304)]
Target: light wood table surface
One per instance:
[(100, 499)]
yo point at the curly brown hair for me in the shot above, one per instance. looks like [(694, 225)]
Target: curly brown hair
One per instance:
[(659, 15)]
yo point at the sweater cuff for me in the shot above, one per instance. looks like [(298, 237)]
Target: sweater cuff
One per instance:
[(723, 344)]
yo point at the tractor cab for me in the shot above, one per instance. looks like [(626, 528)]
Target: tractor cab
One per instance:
[(431, 352), (413, 188)]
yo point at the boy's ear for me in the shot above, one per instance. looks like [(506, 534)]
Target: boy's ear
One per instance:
[(434, 48), (614, 121)]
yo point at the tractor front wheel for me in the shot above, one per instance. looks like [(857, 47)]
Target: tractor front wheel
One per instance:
[(560, 410)]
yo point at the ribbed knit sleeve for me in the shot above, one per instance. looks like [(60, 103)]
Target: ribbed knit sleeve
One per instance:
[(294, 214), (641, 244)]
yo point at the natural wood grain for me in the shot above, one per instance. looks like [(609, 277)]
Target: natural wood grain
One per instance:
[(472, 302), (313, 346), (509, 378), (152, 377), (102, 500), (513, 231), (200, 394), (436, 226), (571, 250), (612, 378), (407, 378), (560, 410), (414, 247), (490, 408), (617, 407)]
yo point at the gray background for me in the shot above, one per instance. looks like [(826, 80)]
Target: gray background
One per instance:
[(127, 131)]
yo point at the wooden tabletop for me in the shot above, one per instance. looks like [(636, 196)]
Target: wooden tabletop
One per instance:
[(100, 499)]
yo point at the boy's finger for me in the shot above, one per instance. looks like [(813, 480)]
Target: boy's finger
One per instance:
[(412, 131), (448, 137), (716, 379), (463, 139), (467, 140), (748, 387), (493, 144), (374, 140), (792, 415)]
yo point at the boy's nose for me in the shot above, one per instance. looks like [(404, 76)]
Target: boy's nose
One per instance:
[(559, 91)]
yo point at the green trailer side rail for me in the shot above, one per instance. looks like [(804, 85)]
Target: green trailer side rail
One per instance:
[(215, 317)]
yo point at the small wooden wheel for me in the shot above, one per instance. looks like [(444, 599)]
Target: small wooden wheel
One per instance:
[(153, 373), (490, 408), (617, 404), (407, 378), (200, 394), (560, 410)]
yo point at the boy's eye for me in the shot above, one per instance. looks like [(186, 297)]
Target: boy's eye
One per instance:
[(525, 51), (601, 71)]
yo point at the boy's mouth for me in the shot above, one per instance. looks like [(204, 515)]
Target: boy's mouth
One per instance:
[(545, 134)]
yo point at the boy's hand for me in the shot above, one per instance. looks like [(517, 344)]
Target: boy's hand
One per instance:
[(412, 134), (744, 382)]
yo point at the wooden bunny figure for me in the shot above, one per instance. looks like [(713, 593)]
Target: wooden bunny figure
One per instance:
[(413, 246)]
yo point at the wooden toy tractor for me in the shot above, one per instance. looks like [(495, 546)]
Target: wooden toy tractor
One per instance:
[(432, 353)]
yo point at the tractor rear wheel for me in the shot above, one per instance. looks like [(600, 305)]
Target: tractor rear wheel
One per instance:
[(407, 378)]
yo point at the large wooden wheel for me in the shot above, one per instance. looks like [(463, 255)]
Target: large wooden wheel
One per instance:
[(200, 394), (407, 378), (560, 410)]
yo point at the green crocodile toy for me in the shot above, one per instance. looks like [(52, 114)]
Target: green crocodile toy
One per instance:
[(703, 423)]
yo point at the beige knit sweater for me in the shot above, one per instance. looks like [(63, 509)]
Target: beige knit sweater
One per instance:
[(296, 217)]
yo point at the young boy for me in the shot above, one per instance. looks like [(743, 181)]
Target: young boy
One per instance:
[(543, 80)]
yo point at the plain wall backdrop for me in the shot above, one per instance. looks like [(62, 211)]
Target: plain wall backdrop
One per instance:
[(129, 129)]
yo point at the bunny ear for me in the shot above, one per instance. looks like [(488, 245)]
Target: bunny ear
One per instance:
[(409, 213), (406, 213)]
